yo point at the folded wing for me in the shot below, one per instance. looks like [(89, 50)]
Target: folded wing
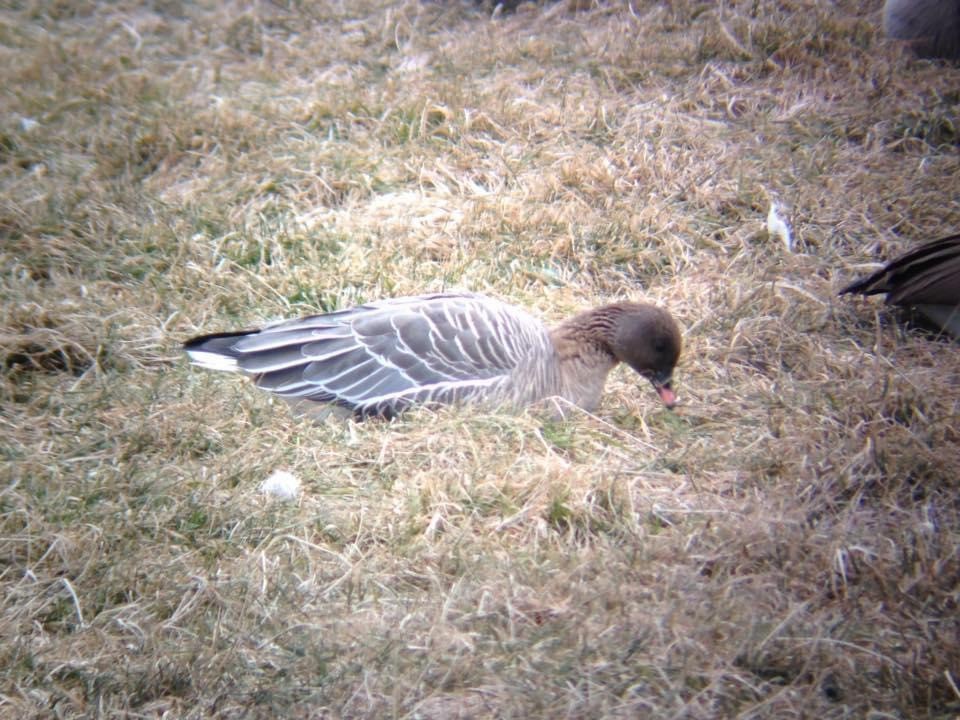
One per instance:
[(378, 359), (927, 278)]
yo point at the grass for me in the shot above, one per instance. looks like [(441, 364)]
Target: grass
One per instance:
[(784, 544)]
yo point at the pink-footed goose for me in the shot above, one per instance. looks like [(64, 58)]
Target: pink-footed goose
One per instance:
[(378, 359), (926, 278)]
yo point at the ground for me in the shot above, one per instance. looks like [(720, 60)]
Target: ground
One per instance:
[(783, 544)]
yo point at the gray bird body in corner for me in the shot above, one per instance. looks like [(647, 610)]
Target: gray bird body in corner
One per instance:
[(932, 27), (927, 278), (378, 359)]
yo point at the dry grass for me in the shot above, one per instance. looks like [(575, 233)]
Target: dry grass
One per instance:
[(784, 545)]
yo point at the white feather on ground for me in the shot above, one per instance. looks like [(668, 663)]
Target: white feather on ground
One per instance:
[(282, 485), (778, 228)]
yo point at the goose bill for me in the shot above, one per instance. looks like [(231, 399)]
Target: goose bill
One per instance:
[(667, 395)]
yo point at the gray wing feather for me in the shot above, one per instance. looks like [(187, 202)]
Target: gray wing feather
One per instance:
[(380, 358)]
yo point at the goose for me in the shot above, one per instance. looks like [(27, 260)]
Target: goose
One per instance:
[(926, 278), (378, 359), (931, 27)]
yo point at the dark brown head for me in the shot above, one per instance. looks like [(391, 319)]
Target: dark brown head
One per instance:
[(647, 339)]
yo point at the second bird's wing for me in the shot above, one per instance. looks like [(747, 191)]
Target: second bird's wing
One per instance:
[(929, 273)]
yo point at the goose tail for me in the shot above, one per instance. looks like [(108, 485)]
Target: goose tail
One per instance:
[(217, 351)]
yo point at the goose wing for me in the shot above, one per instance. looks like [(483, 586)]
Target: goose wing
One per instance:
[(380, 358), (928, 274), (926, 278)]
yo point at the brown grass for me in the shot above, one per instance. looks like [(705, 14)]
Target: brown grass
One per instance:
[(785, 544)]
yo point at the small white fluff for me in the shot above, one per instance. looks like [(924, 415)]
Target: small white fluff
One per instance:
[(28, 124), (281, 484), (777, 227)]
